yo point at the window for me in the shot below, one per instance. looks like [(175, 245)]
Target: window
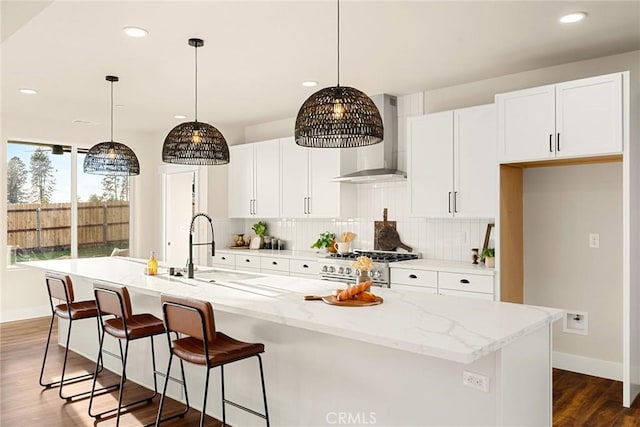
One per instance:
[(41, 209)]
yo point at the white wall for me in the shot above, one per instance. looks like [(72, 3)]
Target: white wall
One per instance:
[(562, 206)]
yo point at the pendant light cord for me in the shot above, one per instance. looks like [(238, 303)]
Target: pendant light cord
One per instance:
[(196, 109), (111, 111), (338, 43)]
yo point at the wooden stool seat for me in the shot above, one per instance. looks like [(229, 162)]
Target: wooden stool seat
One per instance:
[(223, 349), (77, 310)]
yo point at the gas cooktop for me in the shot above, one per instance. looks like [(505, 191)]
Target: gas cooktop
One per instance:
[(377, 256)]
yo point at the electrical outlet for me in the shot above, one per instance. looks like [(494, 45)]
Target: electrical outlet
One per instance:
[(594, 240), (477, 381)]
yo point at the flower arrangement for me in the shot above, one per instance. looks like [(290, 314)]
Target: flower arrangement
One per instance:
[(324, 241), (363, 263)]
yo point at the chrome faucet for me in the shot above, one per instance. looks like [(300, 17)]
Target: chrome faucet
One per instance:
[(191, 244)]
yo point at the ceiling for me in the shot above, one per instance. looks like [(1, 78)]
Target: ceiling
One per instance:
[(256, 54)]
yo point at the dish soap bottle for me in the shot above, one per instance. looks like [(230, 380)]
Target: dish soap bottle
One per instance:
[(152, 265)]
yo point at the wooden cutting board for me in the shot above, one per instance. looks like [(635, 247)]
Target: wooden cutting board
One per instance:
[(332, 300), (378, 226)]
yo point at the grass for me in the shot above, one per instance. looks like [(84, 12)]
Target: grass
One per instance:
[(89, 252)]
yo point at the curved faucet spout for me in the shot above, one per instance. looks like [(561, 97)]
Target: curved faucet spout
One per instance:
[(191, 244)]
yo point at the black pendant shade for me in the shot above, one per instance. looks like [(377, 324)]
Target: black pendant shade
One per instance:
[(111, 158), (195, 143), (338, 117)]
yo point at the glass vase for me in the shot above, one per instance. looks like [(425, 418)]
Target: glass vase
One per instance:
[(363, 277)]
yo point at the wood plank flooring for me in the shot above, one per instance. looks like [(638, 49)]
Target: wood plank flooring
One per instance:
[(23, 402), (579, 400)]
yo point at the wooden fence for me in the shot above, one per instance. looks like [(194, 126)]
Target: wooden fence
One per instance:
[(32, 225)]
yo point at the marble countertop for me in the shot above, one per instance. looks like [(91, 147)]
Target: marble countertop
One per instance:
[(444, 265), (452, 328), (297, 254)]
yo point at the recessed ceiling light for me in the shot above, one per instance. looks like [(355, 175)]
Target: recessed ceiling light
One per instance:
[(310, 83), (135, 32), (179, 116), (573, 17), (28, 91)]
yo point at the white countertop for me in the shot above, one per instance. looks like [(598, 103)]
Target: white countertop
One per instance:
[(457, 329), (443, 265), (297, 254)]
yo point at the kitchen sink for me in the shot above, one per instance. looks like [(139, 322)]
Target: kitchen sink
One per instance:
[(214, 276)]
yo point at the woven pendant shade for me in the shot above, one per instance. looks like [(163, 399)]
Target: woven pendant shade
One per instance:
[(338, 117), (111, 158), (195, 143)]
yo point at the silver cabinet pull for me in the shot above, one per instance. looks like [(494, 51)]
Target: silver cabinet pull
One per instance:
[(455, 202), (449, 201), (308, 205), (550, 143)]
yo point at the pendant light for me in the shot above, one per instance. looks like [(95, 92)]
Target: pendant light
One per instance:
[(111, 158), (195, 143), (338, 116)]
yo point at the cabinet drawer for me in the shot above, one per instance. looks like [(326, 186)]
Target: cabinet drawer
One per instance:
[(466, 282), (409, 288), (465, 294), (405, 276), (226, 260), (247, 261), (274, 264), (304, 267)]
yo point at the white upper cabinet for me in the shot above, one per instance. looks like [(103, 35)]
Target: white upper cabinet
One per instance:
[(254, 180), (431, 164), (572, 119), (475, 181), (307, 189), (452, 163)]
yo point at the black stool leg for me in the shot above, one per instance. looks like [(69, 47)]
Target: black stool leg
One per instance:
[(122, 380), (224, 414), (264, 392), (204, 402), (46, 350), (164, 392)]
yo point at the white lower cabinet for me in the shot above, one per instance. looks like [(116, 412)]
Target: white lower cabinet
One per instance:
[(275, 265), (224, 260), (299, 267), (443, 282), (247, 262)]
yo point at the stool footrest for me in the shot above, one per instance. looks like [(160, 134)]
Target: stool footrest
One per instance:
[(244, 408)]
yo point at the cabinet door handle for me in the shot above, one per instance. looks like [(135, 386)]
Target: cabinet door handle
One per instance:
[(449, 201), (413, 276), (247, 260), (223, 258), (558, 142), (274, 263), (551, 143), (305, 266), (305, 206), (255, 206), (455, 202), (309, 205), (465, 281), (250, 207)]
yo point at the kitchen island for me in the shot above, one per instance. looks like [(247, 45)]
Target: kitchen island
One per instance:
[(398, 363)]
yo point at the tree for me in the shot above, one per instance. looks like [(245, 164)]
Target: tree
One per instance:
[(16, 179), (94, 198), (115, 188), (42, 177)]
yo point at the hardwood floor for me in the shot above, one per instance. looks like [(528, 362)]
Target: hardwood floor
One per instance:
[(578, 400), (25, 403), (583, 400)]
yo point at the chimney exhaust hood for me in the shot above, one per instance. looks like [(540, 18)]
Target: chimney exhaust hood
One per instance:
[(379, 162)]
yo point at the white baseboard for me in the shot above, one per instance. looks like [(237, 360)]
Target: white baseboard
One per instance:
[(23, 314), (588, 366)]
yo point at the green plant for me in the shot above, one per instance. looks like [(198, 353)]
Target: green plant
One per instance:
[(324, 241), (260, 228), (489, 253)]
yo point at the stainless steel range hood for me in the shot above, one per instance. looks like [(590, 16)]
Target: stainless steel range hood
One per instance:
[(379, 162)]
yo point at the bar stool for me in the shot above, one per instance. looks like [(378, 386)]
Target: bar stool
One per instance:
[(114, 300), (203, 345), (60, 287)]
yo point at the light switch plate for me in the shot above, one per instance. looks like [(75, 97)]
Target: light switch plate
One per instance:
[(594, 240)]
